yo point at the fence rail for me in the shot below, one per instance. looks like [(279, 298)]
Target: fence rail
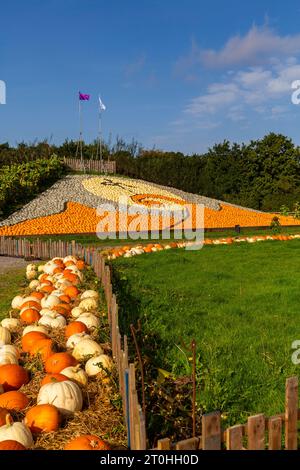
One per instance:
[(90, 165), (260, 432)]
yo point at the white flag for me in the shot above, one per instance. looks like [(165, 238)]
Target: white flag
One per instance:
[(102, 106)]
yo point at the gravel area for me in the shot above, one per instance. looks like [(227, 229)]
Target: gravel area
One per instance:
[(53, 200), (7, 263)]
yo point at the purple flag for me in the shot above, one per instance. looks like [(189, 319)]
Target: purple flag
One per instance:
[(84, 97)]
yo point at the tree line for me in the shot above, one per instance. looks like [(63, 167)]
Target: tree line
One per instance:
[(263, 174)]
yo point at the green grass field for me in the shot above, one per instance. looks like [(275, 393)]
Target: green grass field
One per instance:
[(11, 283), (93, 240), (241, 303)]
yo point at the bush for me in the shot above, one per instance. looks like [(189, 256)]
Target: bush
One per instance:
[(21, 182)]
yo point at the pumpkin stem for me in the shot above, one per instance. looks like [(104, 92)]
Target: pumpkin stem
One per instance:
[(8, 419)]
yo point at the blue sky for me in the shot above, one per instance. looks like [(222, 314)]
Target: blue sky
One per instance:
[(175, 75)]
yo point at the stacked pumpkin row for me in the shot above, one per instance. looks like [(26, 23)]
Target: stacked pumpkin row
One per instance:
[(129, 252), (54, 303)]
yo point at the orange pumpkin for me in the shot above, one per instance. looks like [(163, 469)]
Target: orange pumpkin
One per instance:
[(30, 304), (87, 442), (14, 400), (13, 376), (75, 327), (62, 310), (71, 291), (47, 289), (30, 339), (58, 270), (42, 418), (65, 299), (43, 278), (50, 378), (37, 295), (9, 444), (30, 315), (71, 277), (3, 413), (80, 264), (44, 348), (69, 263), (59, 361)]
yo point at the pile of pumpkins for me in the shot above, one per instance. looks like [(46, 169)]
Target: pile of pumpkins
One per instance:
[(54, 301), (130, 251)]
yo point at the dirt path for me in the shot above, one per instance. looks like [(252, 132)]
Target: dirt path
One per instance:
[(7, 263)]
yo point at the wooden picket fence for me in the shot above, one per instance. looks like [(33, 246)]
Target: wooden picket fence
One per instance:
[(90, 165), (259, 433)]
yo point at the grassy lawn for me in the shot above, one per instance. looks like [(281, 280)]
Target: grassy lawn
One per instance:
[(93, 240), (11, 284), (241, 303)]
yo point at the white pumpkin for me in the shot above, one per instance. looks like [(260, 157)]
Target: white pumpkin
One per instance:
[(70, 258), (34, 284), (98, 364), (89, 304), (90, 321), (17, 302), (76, 312), (66, 396), (12, 324), (76, 374), (49, 267), (40, 269), (31, 267), (7, 358), (74, 339), (62, 284), (5, 336), (47, 311), (89, 294), (86, 348), (57, 322), (30, 275), (10, 348), (16, 432), (39, 328), (50, 301), (57, 292)]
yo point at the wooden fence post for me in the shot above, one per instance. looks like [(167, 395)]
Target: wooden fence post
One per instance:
[(275, 428), (291, 413), (211, 431), (234, 437), (256, 432)]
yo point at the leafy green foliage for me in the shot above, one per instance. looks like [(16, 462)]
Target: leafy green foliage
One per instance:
[(21, 182)]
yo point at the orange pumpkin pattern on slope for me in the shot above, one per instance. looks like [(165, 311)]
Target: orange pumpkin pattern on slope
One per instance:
[(78, 218)]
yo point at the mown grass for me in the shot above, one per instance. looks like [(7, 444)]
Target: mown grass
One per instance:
[(93, 240), (241, 303), (11, 283)]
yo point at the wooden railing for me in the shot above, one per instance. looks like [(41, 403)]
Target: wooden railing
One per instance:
[(90, 165)]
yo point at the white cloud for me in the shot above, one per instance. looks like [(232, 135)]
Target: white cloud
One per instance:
[(257, 45), (258, 89)]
